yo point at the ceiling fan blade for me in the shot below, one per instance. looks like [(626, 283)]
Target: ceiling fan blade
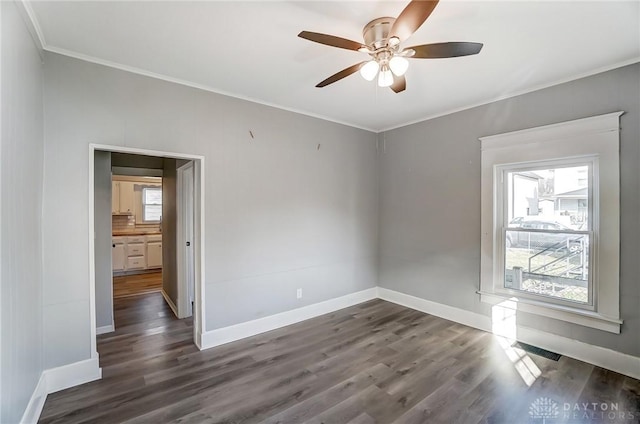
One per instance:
[(399, 84), (444, 50), (411, 18), (330, 40), (342, 74)]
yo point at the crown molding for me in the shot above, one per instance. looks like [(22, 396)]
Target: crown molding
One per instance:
[(33, 26), (138, 71)]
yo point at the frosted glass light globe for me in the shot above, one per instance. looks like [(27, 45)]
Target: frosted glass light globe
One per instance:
[(385, 78), (398, 65), (370, 70)]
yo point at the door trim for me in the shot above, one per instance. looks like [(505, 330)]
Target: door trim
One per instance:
[(199, 316), (184, 304)]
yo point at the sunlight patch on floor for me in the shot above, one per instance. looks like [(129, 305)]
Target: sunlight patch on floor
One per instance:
[(504, 326)]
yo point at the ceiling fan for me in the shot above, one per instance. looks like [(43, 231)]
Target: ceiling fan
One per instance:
[(382, 39)]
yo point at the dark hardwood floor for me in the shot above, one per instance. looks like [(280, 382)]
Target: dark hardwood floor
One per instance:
[(376, 362), (133, 285)]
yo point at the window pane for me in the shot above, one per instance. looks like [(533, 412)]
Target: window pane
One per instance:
[(152, 213), (554, 264), (558, 196), (152, 196)]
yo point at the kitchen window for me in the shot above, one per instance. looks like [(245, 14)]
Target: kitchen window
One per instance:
[(550, 221), (151, 204)]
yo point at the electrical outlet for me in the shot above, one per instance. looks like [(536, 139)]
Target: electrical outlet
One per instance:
[(299, 293)]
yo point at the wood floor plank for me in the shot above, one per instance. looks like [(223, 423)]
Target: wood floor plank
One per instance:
[(376, 362), (427, 409), (350, 408), (363, 418), (315, 405), (136, 284)]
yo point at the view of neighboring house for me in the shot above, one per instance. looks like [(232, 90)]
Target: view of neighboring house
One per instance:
[(559, 194)]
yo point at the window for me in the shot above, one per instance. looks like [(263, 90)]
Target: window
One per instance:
[(550, 221), (151, 204), (545, 234)]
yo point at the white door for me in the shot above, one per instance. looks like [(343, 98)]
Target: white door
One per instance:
[(188, 228)]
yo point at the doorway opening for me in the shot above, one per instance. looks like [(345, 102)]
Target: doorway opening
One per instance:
[(147, 223), (136, 229)]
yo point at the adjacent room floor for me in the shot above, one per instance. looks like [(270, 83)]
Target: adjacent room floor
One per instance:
[(376, 362), (133, 285)]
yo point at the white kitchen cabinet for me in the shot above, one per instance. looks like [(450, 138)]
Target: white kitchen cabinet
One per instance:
[(136, 239), (118, 254), (126, 197), (136, 262), (137, 253), (122, 197), (154, 254), (135, 249)]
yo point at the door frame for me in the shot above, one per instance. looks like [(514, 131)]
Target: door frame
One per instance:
[(199, 316), (184, 303)]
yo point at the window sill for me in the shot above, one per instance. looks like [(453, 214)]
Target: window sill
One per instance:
[(559, 312)]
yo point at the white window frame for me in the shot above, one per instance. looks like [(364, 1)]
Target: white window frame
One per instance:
[(144, 204), (594, 140), (501, 211)]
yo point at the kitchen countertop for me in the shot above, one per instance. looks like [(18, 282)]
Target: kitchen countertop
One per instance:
[(135, 233)]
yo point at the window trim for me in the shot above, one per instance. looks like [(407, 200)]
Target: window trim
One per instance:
[(597, 137)]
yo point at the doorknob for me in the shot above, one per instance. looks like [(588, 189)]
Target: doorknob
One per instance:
[(188, 243)]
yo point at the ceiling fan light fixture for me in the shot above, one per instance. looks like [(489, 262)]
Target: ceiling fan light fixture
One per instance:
[(382, 38), (369, 70), (385, 78), (398, 65)]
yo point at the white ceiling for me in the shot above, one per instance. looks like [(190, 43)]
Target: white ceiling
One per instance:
[(251, 49)]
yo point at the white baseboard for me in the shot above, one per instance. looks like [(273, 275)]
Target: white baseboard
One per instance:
[(74, 374), (36, 403), (596, 355), (55, 379), (251, 328), (451, 313), (105, 329), (170, 303), (198, 340)]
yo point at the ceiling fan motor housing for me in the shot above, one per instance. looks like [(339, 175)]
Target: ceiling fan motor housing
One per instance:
[(376, 32)]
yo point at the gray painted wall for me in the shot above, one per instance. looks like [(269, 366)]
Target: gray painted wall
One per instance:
[(280, 214), (103, 240), (136, 161), (169, 233), (21, 153), (135, 172), (430, 198)]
